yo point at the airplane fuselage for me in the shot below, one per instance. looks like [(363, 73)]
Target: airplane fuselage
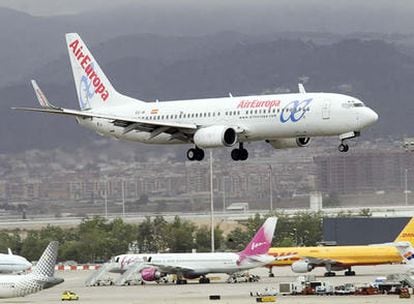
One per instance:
[(199, 263), (264, 117)]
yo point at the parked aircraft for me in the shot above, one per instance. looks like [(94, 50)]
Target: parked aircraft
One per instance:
[(152, 267), (282, 120), (338, 258), (13, 263), (41, 277)]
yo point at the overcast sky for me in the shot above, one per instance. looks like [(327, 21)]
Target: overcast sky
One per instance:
[(58, 7)]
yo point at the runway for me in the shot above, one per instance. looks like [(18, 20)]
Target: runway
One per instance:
[(199, 293)]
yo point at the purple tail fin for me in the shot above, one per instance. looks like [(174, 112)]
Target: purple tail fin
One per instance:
[(262, 240)]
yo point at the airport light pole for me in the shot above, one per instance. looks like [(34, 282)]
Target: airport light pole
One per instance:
[(123, 197), (211, 201), (271, 187), (106, 198), (406, 186), (224, 194)]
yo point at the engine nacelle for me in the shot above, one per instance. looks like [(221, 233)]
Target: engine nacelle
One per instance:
[(285, 143), (301, 267), (150, 274), (215, 136)]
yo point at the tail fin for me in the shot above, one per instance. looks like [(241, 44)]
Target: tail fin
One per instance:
[(407, 234), (46, 264), (406, 251), (262, 240), (92, 86)]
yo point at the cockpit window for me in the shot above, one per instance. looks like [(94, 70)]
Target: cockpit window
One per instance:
[(353, 104), (358, 104)]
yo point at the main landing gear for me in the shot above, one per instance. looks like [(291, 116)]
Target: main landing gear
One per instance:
[(349, 272), (195, 154), (239, 153), (343, 147), (271, 274), (204, 280)]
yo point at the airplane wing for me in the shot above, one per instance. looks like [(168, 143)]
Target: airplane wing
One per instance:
[(171, 269), (319, 261), (181, 131)]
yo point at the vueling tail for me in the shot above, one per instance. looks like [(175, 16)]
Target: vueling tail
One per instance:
[(407, 234), (92, 86), (262, 240), (46, 265)]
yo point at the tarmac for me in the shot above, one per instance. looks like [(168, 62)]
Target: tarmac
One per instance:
[(194, 292)]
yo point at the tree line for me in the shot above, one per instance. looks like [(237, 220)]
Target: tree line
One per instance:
[(97, 239)]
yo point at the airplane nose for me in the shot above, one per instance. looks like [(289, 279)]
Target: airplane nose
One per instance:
[(369, 117)]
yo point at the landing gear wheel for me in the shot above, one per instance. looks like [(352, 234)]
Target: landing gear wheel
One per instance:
[(343, 148), (181, 281), (239, 153), (235, 154), (191, 154), (199, 154), (349, 273), (204, 280), (244, 154), (195, 154), (330, 274)]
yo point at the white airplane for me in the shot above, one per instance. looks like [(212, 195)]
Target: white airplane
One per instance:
[(41, 277), (284, 121), (152, 267), (13, 263)]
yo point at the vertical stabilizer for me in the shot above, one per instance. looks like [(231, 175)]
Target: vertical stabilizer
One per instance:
[(262, 240), (407, 234), (92, 86), (46, 264), (406, 251)]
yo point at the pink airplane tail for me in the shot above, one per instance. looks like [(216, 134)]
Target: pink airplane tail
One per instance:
[(262, 240)]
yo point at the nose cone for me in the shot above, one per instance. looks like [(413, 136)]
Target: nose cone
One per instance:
[(28, 265), (368, 117)]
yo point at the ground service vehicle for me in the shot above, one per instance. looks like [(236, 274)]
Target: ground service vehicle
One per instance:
[(68, 295)]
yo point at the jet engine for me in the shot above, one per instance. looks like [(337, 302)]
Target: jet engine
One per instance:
[(150, 274), (301, 267), (285, 143), (215, 136)]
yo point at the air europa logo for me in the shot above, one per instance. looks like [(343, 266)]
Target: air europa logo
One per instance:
[(295, 110), (88, 67)]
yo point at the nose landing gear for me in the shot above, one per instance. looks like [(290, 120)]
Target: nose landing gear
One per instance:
[(343, 147)]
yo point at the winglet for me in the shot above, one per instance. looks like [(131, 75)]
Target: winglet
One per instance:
[(9, 251), (41, 97), (301, 88)]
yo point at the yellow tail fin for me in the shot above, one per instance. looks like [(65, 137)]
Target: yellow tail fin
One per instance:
[(407, 234)]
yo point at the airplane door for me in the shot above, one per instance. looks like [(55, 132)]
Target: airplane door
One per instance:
[(326, 109)]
